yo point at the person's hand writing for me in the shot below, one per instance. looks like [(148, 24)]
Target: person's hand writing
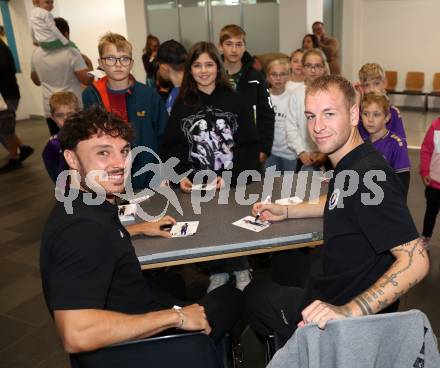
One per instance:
[(262, 157), (270, 212), (219, 182), (306, 158), (318, 158), (185, 185)]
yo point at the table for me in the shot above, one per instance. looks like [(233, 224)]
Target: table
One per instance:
[(217, 238)]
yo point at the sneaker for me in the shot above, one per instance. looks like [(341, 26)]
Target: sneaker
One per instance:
[(25, 152), (10, 166), (242, 279), (216, 280)]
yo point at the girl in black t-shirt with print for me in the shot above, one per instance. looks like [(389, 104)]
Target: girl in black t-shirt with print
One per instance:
[(210, 128)]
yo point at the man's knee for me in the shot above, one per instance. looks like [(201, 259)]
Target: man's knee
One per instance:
[(257, 296)]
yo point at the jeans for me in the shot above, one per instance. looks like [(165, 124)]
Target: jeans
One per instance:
[(281, 164)]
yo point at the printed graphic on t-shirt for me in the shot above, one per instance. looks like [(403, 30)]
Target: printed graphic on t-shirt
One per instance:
[(332, 203), (280, 117), (209, 133), (437, 141)]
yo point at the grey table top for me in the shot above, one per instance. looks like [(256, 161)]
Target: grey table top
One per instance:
[(216, 235)]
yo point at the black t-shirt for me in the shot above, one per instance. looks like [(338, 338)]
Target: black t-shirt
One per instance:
[(360, 229), (87, 261), (8, 82)]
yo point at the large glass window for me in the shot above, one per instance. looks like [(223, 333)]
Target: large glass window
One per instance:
[(193, 21), (163, 19), (189, 21)]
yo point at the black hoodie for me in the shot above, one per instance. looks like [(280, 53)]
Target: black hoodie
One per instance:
[(253, 88), (211, 134)]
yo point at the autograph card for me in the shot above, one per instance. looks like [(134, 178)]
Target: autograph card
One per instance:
[(207, 186), (127, 212), (249, 223), (290, 200), (182, 229)]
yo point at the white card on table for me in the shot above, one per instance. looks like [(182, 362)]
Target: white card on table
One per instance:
[(140, 199), (127, 212), (207, 186), (182, 229), (249, 223), (290, 200)]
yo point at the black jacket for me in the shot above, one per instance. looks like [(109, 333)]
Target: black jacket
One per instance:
[(252, 86), (8, 82), (211, 134)]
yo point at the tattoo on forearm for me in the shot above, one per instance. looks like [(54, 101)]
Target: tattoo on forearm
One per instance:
[(374, 299), (346, 311), (383, 303), (363, 305), (409, 249), (399, 294)]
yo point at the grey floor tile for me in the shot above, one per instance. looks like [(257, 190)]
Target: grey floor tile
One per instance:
[(11, 331), (8, 235), (26, 238), (11, 271), (32, 349), (58, 359), (33, 311), (6, 249), (18, 217), (28, 255), (18, 292)]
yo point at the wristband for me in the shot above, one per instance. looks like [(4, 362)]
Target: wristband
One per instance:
[(181, 315)]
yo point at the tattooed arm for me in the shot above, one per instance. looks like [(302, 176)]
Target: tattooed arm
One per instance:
[(409, 268)]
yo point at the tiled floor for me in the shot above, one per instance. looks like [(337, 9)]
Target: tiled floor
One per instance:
[(27, 334)]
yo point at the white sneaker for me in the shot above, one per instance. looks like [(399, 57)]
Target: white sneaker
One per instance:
[(242, 279), (216, 280)]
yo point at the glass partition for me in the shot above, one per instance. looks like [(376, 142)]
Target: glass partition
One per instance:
[(189, 21), (193, 22)]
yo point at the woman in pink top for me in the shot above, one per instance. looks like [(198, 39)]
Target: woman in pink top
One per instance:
[(430, 173)]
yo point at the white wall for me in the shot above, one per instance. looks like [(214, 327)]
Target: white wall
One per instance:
[(401, 35), (295, 20), (315, 12), (136, 23), (88, 21), (31, 101)]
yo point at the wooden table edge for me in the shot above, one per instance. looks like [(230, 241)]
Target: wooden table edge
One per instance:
[(267, 249)]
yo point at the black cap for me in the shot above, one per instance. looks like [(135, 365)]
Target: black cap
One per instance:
[(171, 52)]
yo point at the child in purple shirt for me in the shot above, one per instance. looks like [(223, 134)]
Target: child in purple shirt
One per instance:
[(375, 116), (372, 79), (62, 105)]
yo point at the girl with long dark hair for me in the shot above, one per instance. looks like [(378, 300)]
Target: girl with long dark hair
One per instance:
[(210, 126)]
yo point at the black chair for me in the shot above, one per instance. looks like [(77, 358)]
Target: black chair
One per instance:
[(170, 351), (272, 344)]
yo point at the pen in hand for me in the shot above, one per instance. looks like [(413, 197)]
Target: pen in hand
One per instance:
[(266, 201)]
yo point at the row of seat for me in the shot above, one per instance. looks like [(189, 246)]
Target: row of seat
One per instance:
[(414, 83)]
